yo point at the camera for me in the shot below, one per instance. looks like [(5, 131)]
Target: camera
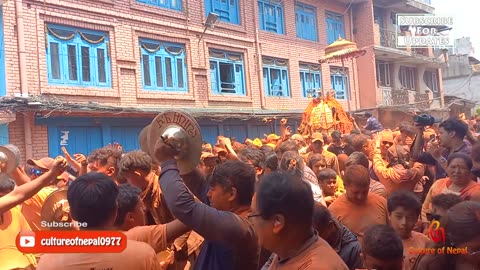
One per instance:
[(424, 120)]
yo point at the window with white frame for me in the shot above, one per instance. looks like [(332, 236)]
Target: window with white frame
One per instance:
[(163, 66), (431, 80), (78, 57), (408, 77), (227, 75), (310, 79), (384, 73), (275, 77)]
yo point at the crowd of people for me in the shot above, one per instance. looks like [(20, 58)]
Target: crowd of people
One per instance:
[(363, 200)]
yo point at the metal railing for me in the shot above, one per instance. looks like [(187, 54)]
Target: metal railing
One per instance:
[(395, 96), (422, 101), (388, 39)]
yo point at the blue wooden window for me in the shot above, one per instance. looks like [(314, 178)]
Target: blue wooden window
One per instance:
[(306, 21), (78, 57), (227, 10), (163, 66), (4, 137), (227, 75), (335, 27), (170, 4), (3, 87), (275, 77), (271, 16), (338, 82), (310, 79)]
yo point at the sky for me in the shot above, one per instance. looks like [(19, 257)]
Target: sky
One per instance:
[(465, 14)]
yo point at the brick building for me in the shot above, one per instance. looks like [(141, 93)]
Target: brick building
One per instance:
[(397, 82), (85, 73)]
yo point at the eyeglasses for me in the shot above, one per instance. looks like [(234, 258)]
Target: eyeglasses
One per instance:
[(387, 143), (36, 172), (431, 217)]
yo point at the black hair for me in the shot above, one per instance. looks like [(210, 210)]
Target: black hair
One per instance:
[(356, 175), (7, 185), (457, 125), (382, 243), (357, 141), (321, 216), (286, 146), (271, 162), (464, 157), (254, 155), (134, 160), (463, 222), (92, 198), (446, 200), (357, 158), (266, 149), (314, 158), (407, 128), (326, 174), (336, 135), (128, 197), (236, 174), (405, 199), (292, 163), (285, 194), (368, 114)]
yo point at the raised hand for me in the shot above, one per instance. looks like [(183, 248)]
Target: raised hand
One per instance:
[(59, 166)]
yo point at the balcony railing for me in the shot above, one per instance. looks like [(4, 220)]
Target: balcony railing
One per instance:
[(388, 39), (422, 101), (395, 96)]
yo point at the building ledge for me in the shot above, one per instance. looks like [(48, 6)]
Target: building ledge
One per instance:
[(48, 105)]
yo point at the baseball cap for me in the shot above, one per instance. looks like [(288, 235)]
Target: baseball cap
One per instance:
[(317, 136), (297, 137), (43, 163), (272, 137)]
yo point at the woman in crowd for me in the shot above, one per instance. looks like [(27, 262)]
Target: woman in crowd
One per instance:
[(459, 182)]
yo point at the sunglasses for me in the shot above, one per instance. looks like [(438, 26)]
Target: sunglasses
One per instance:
[(387, 143), (431, 217), (36, 172)]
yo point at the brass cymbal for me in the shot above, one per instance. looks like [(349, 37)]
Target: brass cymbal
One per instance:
[(184, 135), (56, 208), (9, 158), (143, 140)]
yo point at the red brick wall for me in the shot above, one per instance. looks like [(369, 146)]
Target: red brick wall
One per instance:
[(127, 20), (365, 38)]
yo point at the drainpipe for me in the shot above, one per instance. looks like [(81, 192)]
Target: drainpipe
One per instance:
[(354, 65), (259, 58), (27, 120), (22, 59)]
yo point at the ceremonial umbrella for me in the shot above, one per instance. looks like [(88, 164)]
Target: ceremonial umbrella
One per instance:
[(342, 50)]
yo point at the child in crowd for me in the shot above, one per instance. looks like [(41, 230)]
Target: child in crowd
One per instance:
[(404, 209), (327, 178)]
